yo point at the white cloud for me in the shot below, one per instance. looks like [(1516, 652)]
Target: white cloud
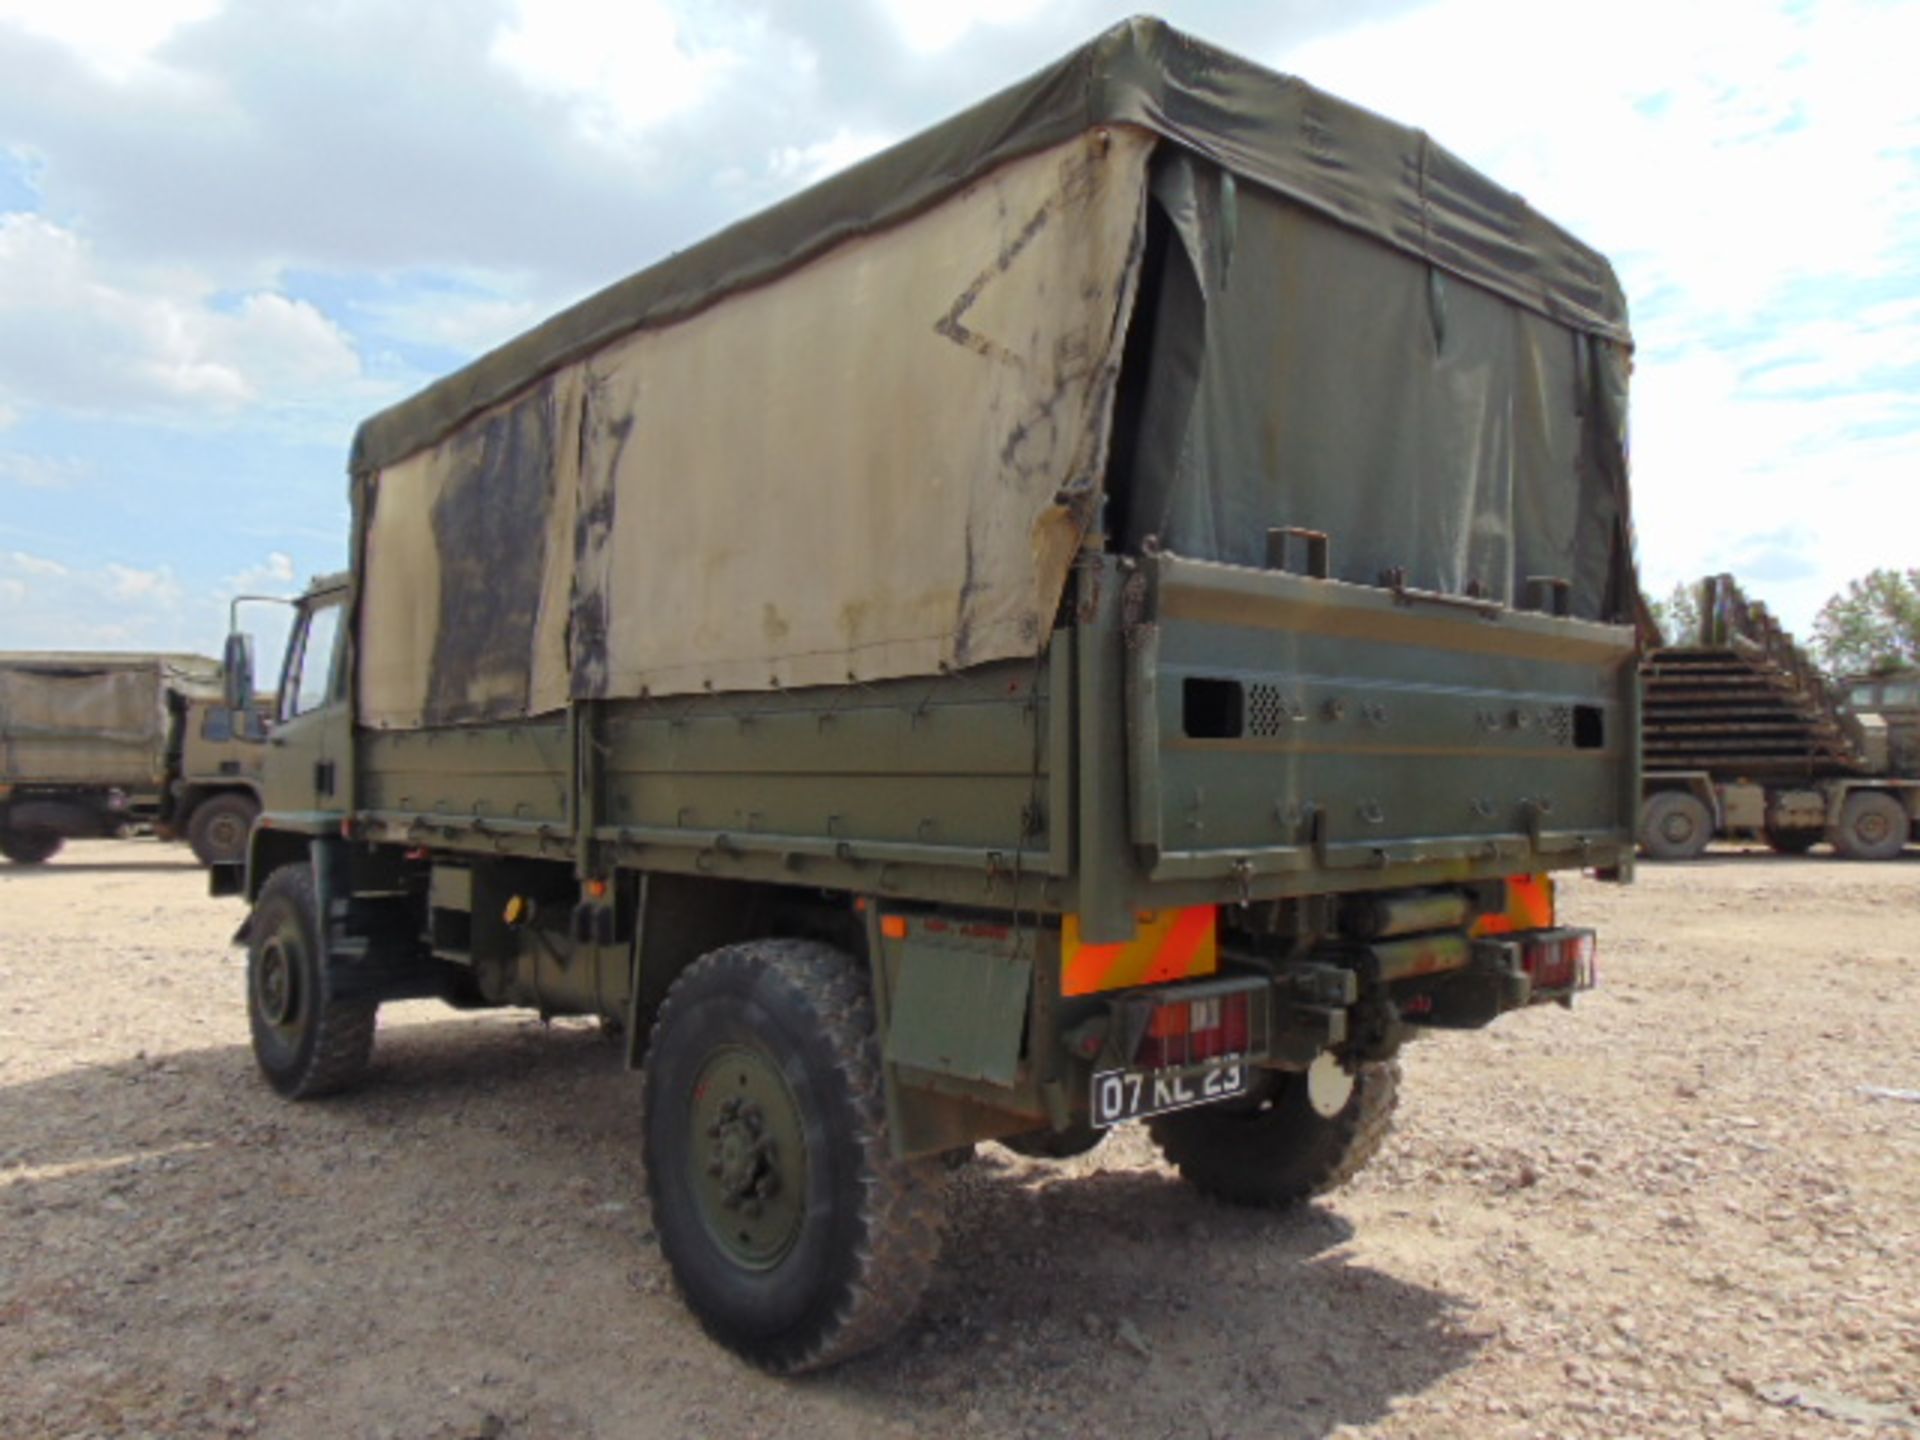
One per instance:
[(35, 564), (627, 67), (275, 573), (82, 336), (41, 472), (498, 308), (110, 605), (114, 36), (933, 25), (799, 165), (147, 587)]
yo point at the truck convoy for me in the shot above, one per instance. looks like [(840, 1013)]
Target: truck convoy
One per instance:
[(1744, 738), (1113, 608), (96, 745)]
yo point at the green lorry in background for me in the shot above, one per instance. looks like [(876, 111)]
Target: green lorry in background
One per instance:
[(1111, 609), (100, 745), (1744, 738)]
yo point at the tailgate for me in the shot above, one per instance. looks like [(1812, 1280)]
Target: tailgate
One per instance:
[(1280, 724)]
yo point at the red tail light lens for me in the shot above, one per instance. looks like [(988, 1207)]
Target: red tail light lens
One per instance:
[(1186, 1032), (1562, 960)]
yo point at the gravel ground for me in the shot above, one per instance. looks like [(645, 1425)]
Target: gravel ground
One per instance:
[(1682, 1209)]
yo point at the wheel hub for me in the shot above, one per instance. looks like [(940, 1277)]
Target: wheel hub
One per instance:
[(273, 990), (750, 1151)]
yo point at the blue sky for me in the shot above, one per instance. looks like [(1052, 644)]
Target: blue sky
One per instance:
[(229, 229)]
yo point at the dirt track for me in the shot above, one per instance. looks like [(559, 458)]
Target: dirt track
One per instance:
[(1676, 1211)]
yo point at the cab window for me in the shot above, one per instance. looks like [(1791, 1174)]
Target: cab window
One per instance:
[(309, 680)]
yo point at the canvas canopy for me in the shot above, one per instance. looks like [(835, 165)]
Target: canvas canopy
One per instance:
[(862, 434), (101, 719)]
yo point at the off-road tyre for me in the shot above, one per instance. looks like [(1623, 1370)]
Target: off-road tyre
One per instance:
[(1675, 825), (1077, 1139), (218, 828), (307, 1040), (867, 1235), (1873, 825), (1793, 842), (31, 847), (1271, 1148)]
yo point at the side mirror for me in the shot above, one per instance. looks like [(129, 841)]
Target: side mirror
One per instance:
[(236, 672)]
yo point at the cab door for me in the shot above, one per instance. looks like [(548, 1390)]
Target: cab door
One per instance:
[(311, 748)]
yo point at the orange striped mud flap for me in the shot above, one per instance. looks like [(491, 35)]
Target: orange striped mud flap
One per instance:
[(1166, 945), (1529, 907)]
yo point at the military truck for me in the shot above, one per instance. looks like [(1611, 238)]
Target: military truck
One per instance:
[(95, 745), (1111, 609), (1890, 699), (1744, 738)]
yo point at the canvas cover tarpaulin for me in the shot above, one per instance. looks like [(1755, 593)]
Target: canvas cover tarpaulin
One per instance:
[(1431, 429), (833, 440), (100, 720), (857, 474)]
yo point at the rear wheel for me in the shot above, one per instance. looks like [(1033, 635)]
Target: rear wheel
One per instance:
[(307, 1040), (218, 829), (1274, 1147), (1792, 842), (794, 1235), (31, 847), (1873, 826), (1675, 826)]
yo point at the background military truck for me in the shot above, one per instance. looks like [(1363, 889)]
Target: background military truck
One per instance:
[(1111, 608), (1745, 738), (99, 744)]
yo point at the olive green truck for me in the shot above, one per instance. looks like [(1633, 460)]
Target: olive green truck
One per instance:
[(99, 745), (1112, 608)]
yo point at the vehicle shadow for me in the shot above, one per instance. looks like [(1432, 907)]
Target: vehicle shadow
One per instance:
[(171, 1209), (186, 865), (1760, 857)]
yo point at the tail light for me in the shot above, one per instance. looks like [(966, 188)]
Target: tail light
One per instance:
[(1187, 1032), (1559, 960)]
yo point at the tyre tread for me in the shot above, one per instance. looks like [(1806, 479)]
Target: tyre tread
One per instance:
[(902, 1200), (1285, 1180), (343, 1045)]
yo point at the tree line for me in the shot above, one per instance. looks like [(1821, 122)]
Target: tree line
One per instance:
[(1871, 626)]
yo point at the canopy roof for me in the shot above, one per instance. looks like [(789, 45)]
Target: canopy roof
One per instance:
[(1377, 177)]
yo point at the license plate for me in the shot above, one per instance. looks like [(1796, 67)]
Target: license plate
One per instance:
[(1128, 1094)]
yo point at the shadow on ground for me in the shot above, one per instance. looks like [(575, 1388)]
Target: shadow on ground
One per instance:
[(475, 1215)]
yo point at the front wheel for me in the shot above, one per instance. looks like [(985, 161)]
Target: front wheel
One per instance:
[(307, 1040), (31, 847), (1275, 1147), (1873, 826), (218, 828), (794, 1235), (1675, 826)]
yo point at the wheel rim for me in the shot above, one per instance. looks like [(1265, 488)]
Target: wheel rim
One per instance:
[(1871, 828), (749, 1157), (1677, 827), (276, 987), (224, 834)]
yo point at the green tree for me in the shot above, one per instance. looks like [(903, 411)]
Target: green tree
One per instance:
[(1678, 616), (1874, 624)]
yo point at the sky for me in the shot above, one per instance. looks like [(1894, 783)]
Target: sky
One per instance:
[(231, 229)]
